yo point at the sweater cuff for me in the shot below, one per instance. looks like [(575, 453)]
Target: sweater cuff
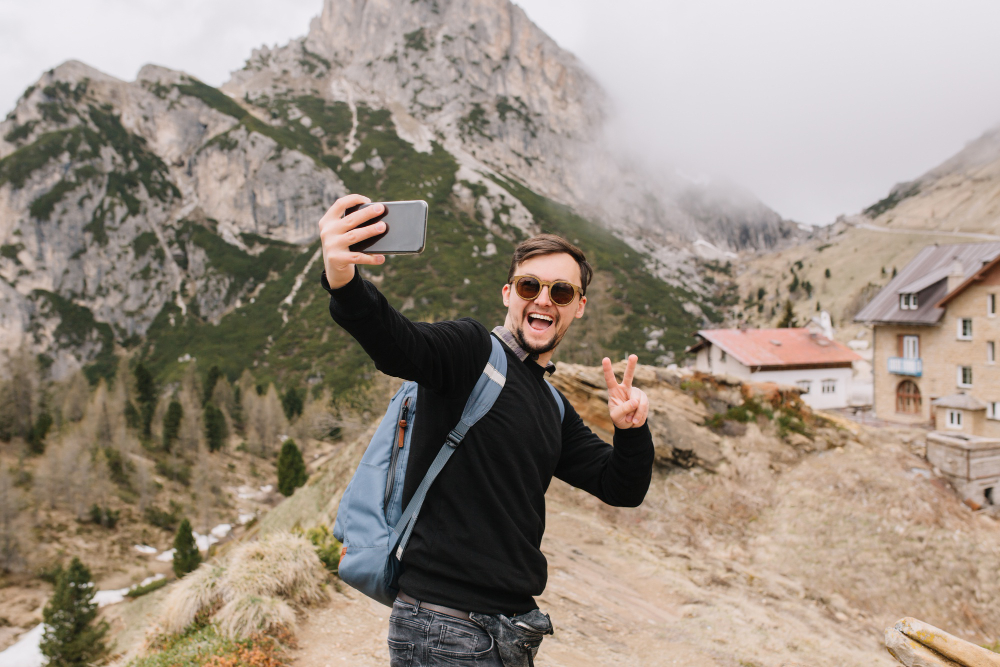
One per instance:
[(633, 437), (350, 302)]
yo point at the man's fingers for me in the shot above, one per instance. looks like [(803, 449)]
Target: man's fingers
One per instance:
[(609, 374), (621, 413), (364, 215), (640, 414), (630, 370), (336, 211), (361, 233), (362, 258)]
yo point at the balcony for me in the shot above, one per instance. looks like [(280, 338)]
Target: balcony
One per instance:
[(905, 366)]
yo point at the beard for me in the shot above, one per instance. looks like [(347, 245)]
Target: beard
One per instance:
[(536, 350)]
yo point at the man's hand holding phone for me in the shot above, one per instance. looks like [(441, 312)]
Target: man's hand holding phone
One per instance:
[(338, 233)]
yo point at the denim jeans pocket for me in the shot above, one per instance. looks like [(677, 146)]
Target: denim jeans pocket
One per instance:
[(459, 644), (400, 654)]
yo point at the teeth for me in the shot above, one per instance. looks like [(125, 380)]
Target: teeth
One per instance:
[(541, 317)]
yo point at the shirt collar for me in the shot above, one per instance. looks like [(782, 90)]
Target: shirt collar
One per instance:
[(505, 335)]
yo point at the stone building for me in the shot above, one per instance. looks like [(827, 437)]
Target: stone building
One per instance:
[(936, 332)]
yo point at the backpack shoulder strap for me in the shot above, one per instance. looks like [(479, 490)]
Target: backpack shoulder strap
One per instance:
[(559, 401), (484, 395)]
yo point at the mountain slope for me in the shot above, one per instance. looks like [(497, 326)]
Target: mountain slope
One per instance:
[(961, 194), (170, 214)]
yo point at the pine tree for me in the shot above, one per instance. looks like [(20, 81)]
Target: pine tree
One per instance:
[(291, 468), (788, 318), (215, 427), (187, 558), (213, 377), (71, 639), (172, 424), (146, 390), (292, 403)]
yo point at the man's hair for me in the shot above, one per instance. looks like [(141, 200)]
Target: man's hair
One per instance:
[(550, 244)]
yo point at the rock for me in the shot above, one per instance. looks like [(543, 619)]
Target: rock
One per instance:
[(918, 644)]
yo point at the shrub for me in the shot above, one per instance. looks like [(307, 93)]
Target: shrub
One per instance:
[(291, 468), (104, 516), (155, 585), (327, 546), (255, 591), (71, 638), (36, 436), (187, 558)]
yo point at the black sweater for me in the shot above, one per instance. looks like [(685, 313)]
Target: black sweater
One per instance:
[(477, 544)]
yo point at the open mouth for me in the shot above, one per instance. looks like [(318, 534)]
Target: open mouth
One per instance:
[(539, 322)]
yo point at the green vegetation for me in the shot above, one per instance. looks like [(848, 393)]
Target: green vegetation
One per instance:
[(72, 638), (475, 122), (10, 251), (747, 411), (103, 516), (788, 320), (890, 202), (146, 390), (215, 428), (187, 558), (42, 207), (162, 518), (291, 402), (291, 468), (242, 267), (172, 424), (20, 132), (143, 242), (76, 326), (38, 432), (416, 40), (203, 644), (139, 591), (327, 546)]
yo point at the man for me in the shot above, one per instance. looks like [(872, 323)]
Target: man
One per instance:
[(476, 547)]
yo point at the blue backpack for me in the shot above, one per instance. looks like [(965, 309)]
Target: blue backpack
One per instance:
[(371, 522)]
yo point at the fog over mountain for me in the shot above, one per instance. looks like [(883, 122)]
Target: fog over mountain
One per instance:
[(816, 109)]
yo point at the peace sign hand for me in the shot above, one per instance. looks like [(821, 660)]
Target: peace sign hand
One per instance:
[(627, 404)]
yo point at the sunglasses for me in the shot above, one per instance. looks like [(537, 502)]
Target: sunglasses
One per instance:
[(561, 292)]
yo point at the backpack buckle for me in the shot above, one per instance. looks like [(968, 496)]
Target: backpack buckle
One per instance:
[(454, 439)]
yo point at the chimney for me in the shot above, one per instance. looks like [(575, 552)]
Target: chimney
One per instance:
[(956, 276)]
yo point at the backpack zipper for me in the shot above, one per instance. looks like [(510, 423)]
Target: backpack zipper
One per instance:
[(400, 440)]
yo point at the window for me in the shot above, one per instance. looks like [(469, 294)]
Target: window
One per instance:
[(804, 385), (965, 376), (908, 301), (991, 305), (965, 328), (908, 398), (911, 347), (991, 351), (955, 419), (829, 386), (993, 410), (722, 356)]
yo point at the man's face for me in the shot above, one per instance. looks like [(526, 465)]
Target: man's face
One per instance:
[(539, 325)]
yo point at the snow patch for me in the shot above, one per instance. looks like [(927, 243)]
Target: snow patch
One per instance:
[(143, 549)]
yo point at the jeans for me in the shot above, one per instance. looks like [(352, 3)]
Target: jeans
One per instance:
[(421, 638)]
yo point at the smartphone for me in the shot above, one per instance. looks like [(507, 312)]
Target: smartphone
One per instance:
[(405, 228)]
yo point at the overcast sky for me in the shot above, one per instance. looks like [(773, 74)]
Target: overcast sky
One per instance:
[(817, 108)]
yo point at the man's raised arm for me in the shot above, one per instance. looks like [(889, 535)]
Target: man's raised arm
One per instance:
[(446, 357)]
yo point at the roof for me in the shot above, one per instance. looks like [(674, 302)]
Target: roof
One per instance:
[(927, 275), (976, 277), (778, 348), (959, 402)]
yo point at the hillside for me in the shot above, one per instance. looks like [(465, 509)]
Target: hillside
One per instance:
[(773, 544), (164, 214)]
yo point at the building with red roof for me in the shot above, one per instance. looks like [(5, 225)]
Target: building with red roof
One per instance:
[(806, 357)]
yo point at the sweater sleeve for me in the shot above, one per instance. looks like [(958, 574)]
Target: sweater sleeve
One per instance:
[(445, 357), (618, 475)]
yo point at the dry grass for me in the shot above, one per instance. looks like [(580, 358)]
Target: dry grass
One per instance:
[(198, 592), (256, 590)]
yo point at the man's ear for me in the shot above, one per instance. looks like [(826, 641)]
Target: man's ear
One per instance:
[(506, 295), (580, 307)]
